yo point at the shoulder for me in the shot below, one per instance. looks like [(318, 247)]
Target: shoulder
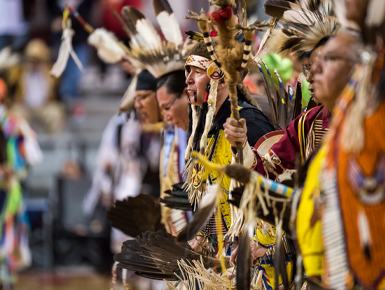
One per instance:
[(311, 114), (306, 119), (257, 123), (249, 112)]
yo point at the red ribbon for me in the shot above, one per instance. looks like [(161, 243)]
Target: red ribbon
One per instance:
[(222, 15), (206, 97), (213, 33)]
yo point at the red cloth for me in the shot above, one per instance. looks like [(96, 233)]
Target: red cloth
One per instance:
[(109, 21), (288, 147), (222, 15)]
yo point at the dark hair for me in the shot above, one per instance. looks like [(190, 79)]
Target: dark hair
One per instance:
[(146, 81), (175, 82)]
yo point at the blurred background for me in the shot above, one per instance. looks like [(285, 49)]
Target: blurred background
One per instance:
[(68, 250)]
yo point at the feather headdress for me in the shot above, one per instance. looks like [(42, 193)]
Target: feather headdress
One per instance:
[(306, 26), (147, 49), (227, 56)]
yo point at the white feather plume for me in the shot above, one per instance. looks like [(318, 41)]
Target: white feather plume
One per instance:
[(129, 96), (149, 34), (170, 27), (158, 57), (64, 52), (107, 45)]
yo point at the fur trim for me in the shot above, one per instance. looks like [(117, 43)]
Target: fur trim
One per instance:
[(212, 104), (201, 50), (194, 127)]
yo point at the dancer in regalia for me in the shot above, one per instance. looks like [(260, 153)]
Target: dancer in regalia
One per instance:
[(342, 205), (19, 151), (304, 134)]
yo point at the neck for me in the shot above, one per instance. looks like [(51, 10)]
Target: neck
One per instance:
[(221, 98), (330, 105)]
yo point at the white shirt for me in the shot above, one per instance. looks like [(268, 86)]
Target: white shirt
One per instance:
[(36, 88)]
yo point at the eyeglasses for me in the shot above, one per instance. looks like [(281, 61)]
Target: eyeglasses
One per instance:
[(322, 58), (168, 107)]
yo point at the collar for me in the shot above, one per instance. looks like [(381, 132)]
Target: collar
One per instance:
[(326, 117)]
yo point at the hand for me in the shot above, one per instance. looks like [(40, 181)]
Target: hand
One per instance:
[(235, 131), (199, 244), (234, 255), (257, 251), (126, 65)]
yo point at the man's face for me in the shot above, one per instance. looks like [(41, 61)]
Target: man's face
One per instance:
[(174, 108), (147, 107), (332, 69), (310, 74), (196, 81)]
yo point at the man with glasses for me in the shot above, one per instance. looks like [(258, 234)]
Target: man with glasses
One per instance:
[(146, 104), (340, 218), (128, 156), (332, 69), (327, 72), (173, 103), (173, 99)]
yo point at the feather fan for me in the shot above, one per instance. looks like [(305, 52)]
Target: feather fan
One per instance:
[(155, 255), (167, 21), (124, 215), (244, 256), (206, 208), (177, 198)]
